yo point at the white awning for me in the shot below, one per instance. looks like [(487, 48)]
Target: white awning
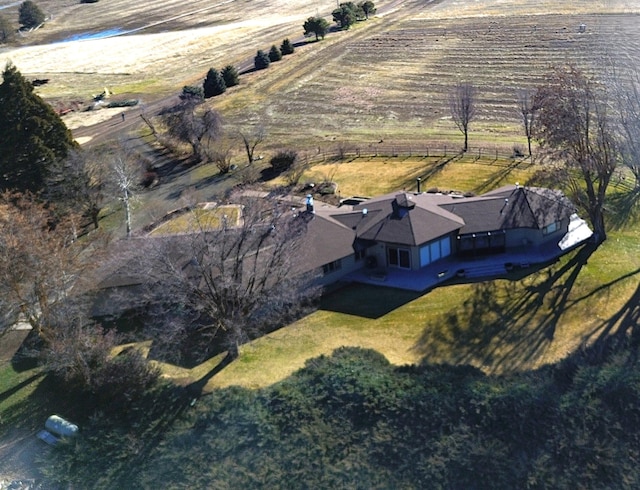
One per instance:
[(578, 232)]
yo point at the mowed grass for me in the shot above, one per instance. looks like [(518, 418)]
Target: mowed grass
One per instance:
[(374, 176), (16, 389), (514, 323), (498, 326)]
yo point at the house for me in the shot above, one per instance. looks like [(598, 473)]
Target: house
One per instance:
[(406, 240), (416, 240)]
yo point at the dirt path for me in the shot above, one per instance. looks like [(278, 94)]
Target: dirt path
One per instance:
[(116, 125)]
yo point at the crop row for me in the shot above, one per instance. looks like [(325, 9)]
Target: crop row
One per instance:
[(397, 80)]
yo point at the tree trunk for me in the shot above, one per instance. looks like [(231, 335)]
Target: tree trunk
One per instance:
[(127, 211), (599, 230), (234, 351), (94, 214)]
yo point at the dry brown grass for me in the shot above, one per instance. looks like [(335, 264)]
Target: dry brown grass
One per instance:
[(374, 176), (387, 79), (199, 220), (173, 43)]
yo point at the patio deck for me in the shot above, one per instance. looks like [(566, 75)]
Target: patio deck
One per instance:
[(487, 267)]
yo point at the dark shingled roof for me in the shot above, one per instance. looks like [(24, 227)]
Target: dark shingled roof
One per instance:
[(329, 240), (511, 207), (416, 219), (403, 218)]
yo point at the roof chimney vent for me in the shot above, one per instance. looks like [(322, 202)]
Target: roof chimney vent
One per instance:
[(309, 203), (364, 212), (517, 185), (418, 181)]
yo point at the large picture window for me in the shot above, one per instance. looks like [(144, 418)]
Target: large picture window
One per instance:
[(434, 251)]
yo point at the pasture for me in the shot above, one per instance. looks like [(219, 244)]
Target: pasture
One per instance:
[(386, 79)]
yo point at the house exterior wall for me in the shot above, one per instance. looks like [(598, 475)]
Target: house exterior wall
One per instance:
[(379, 251), (347, 265), (531, 237)]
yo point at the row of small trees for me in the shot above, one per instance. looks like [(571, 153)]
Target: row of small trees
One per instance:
[(262, 60), (216, 82), (347, 14)]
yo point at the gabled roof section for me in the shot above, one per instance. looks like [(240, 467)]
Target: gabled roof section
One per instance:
[(329, 240), (511, 207)]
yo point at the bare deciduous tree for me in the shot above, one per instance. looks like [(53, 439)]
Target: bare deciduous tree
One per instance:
[(124, 177), (251, 139), (575, 128), (627, 93), (527, 111), (40, 261), (199, 129), (241, 279), (462, 103)]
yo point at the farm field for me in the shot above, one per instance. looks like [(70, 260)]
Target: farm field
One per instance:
[(390, 81), (153, 47), (386, 79)]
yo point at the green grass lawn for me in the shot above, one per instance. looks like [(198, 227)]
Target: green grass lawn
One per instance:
[(499, 326), (17, 409)]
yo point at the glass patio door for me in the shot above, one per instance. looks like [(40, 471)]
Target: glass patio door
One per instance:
[(399, 257)]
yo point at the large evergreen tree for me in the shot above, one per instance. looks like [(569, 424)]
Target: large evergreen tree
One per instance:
[(316, 25), (346, 15), (230, 75), (214, 84), (261, 60), (30, 15), (32, 136)]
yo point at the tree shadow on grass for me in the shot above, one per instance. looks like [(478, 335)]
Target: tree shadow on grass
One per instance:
[(434, 169), (16, 388), (625, 324), (497, 177), (366, 301), (505, 325), (624, 207)]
